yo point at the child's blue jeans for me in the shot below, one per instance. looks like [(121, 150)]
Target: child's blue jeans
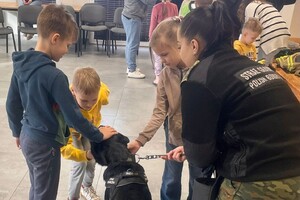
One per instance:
[(43, 162), (171, 180)]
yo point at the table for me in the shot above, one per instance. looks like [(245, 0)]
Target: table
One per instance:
[(292, 80), (13, 6), (9, 6)]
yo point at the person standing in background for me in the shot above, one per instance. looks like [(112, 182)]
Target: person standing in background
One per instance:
[(275, 33), (160, 11), (133, 14)]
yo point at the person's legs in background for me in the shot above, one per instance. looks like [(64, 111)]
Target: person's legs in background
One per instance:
[(171, 180), (157, 67), (133, 30)]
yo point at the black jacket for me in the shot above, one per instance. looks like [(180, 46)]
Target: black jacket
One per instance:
[(242, 117)]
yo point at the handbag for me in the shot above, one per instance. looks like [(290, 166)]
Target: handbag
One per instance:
[(206, 188)]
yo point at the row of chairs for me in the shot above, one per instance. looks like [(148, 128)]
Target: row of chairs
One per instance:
[(6, 30), (92, 18)]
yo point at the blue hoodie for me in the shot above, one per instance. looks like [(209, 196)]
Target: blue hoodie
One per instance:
[(40, 104)]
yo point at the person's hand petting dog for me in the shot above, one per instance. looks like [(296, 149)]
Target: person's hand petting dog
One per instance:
[(176, 154), (107, 131), (133, 146)]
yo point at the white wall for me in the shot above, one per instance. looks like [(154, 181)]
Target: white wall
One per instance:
[(295, 22), (11, 20)]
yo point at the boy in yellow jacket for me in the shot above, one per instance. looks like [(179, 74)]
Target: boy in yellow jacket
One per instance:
[(90, 94)]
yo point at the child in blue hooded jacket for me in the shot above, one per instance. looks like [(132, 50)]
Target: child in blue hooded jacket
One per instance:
[(40, 105)]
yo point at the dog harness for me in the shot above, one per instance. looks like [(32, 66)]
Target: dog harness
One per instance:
[(125, 178)]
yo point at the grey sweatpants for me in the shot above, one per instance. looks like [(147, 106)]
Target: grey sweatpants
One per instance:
[(82, 173)]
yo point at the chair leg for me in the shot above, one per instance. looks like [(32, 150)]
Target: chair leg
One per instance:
[(97, 44), (108, 43), (79, 44), (110, 39), (85, 40), (6, 43), (14, 41), (19, 40)]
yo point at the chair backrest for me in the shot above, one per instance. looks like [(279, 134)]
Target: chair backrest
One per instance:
[(28, 14), (71, 10), (92, 14), (1, 17), (118, 17)]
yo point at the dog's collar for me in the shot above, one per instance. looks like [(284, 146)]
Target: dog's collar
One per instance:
[(126, 178)]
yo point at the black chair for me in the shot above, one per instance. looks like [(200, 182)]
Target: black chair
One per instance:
[(6, 30), (71, 10), (92, 18), (27, 17), (117, 30)]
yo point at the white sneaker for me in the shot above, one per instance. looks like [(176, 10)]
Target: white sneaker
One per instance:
[(127, 70), (136, 74), (155, 82), (29, 36), (89, 193)]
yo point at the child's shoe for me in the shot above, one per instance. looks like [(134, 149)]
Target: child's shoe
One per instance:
[(155, 82), (89, 193), (29, 36)]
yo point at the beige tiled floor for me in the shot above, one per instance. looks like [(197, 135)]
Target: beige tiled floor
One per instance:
[(130, 107)]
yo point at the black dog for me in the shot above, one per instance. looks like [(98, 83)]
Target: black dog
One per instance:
[(125, 179)]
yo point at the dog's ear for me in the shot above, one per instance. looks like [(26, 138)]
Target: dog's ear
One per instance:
[(122, 139), (111, 150), (99, 151)]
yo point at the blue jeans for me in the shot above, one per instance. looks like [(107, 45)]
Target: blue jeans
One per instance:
[(43, 162), (171, 180), (133, 29)]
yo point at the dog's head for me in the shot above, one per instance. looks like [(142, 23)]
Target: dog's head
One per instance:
[(112, 150), (125, 179)]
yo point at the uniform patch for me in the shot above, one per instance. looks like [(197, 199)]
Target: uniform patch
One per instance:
[(257, 76)]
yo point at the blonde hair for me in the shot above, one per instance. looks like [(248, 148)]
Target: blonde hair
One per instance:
[(165, 32), (253, 25), (86, 80), (55, 19)]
